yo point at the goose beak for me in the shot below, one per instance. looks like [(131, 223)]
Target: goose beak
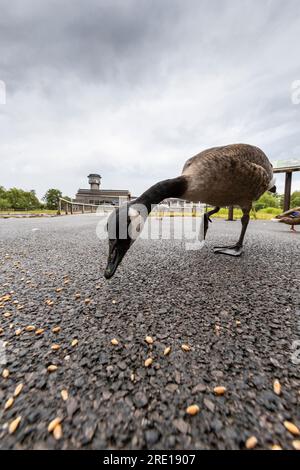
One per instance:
[(113, 262), (117, 251)]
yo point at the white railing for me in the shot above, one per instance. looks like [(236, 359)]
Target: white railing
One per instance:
[(70, 207)]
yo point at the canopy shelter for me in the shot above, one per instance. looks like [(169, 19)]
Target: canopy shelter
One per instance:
[(288, 170)]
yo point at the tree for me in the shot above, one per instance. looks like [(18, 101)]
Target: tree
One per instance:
[(295, 199), (22, 200), (2, 192), (267, 200), (4, 204), (52, 198)]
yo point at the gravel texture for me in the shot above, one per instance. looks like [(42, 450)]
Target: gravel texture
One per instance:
[(239, 315)]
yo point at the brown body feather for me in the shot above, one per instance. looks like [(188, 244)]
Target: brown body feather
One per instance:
[(231, 175)]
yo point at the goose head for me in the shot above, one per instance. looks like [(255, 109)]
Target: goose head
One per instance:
[(123, 227)]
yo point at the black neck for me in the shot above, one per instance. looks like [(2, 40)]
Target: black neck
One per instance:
[(174, 187)]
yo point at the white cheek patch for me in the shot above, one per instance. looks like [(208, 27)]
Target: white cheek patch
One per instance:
[(136, 224), (133, 213)]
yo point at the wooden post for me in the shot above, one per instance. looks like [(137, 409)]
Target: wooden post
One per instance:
[(230, 213), (71, 207), (59, 207), (82, 208), (287, 191)]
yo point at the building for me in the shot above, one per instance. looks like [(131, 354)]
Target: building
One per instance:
[(98, 196)]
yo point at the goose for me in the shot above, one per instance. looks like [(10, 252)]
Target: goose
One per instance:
[(231, 175), (291, 217)]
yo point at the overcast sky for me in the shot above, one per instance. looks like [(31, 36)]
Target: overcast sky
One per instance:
[(132, 88)]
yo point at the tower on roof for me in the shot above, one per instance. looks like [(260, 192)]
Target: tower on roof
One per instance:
[(94, 181)]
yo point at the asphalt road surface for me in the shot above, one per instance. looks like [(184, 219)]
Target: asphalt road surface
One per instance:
[(240, 317)]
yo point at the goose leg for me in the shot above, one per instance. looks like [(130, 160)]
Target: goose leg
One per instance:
[(293, 229), (237, 249), (207, 218)]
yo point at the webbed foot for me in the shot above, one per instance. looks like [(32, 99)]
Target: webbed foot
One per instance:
[(235, 250)]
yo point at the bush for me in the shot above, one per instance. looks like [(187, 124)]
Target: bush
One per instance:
[(270, 210), (295, 199), (267, 200)]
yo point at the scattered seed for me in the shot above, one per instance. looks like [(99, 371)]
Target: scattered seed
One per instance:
[(74, 342), (132, 377), (56, 329), (296, 445), (5, 298), (192, 410), (167, 351), (18, 332), (59, 289), (185, 347), (18, 390), (9, 403), (219, 390), (217, 330), (149, 340), (251, 442), (276, 447), (5, 373), (64, 395), (57, 432), (52, 425), (292, 428), (114, 302), (114, 341), (277, 387), (77, 296), (148, 362), (52, 368), (30, 328), (7, 314), (1, 331), (39, 331), (87, 301), (55, 347), (14, 425)]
